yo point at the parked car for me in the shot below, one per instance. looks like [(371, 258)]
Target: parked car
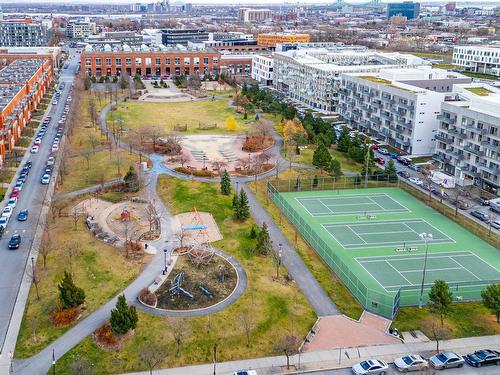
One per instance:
[(375, 146), (403, 174), (463, 205), (480, 215), (29, 163), (380, 161), (15, 241), (12, 202), (416, 181), (370, 367), (484, 202), (483, 357), (50, 160), (7, 211), (45, 179), (446, 360), (55, 147), (495, 224), (411, 362), (4, 220), (2, 229), (383, 151), (245, 372), (34, 149), (413, 167), (22, 215)]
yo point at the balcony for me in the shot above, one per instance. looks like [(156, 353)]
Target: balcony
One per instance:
[(457, 133), (443, 138), (447, 120), (386, 116), (474, 151), (376, 104), (408, 106), (490, 169), (388, 100), (477, 130), (491, 146), (441, 158)]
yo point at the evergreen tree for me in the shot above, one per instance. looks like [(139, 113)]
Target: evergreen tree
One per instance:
[(225, 184), (315, 181), (242, 210), (123, 317), (131, 180), (264, 243), (391, 170), (344, 141), (254, 232), (440, 299), (69, 294), (236, 201), (321, 157), (367, 161), (123, 82), (335, 168), (491, 299)]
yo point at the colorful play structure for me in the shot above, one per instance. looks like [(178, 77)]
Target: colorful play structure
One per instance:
[(197, 224)]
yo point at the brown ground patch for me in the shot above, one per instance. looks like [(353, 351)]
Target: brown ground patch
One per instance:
[(211, 234)]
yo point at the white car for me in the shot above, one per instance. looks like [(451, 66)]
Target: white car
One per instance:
[(411, 362), (50, 160), (55, 147), (244, 372), (45, 179), (7, 211), (4, 220), (54, 102), (371, 367), (12, 202), (416, 181), (34, 149)]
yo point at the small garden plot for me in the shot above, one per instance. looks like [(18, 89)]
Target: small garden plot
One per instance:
[(204, 283)]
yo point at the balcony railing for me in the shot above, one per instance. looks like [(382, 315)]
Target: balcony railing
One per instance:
[(474, 150), (443, 138)]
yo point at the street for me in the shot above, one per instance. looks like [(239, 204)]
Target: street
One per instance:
[(14, 262)]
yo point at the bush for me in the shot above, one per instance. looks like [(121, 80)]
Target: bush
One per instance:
[(148, 298), (255, 143), (104, 335), (123, 317), (69, 294), (63, 318), (195, 172)]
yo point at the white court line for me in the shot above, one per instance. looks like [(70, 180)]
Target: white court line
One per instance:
[(472, 273), (400, 231), (373, 277), (383, 209), (482, 260), (355, 233), (437, 230), (416, 256), (340, 196), (310, 213), (435, 269), (395, 269), (376, 222)]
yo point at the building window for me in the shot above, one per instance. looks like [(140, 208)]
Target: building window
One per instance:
[(138, 61), (158, 61), (98, 61), (128, 61), (215, 60), (187, 60), (87, 62), (167, 61), (108, 61), (118, 61), (148, 61), (205, 60), (196, 60), (177, 61)]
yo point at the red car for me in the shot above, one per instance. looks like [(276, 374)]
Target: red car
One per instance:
[(15, 193), (375, 146), (380, 161)]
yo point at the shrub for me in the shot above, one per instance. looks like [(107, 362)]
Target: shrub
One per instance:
[(255, 143), (69, 294), (148, 298), (65, 317), (194, 172), (123, 317), (104, 335)]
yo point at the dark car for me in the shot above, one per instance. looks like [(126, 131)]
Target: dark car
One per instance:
[(29, 164), (483, 357), (23, 215), (484, 202), (403, 174), (480, 215), (15, 241), (2, 229)]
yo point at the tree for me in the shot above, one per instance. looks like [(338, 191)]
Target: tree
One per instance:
[(491, 299), (264, 244), (179, 329), (344, 141), (288, 345), (391, 170), (246, 322), (335, 168), (434, 329), (131, 180), (45, 245), (151, 354), (242, 210), (440, 299), (87, 83), (231, 124), (69, 294), (123, 82), (321, 157), (236, 201), (123, 317), (225, 184)]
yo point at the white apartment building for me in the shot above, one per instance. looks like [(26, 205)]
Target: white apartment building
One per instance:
[(398, 106), (23, 33), (79, 30), (468, 139), (248, 15), (262, 69), (310, 75), (478, 59)]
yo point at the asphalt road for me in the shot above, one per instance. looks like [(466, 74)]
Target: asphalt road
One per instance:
[(13, 262), (466, 370)]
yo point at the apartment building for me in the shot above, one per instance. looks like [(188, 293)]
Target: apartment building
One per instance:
[(468, 139), (148, 61), (22, 86), (173, 37), (262, 69), (478, 59), (23, 33), (310, 74), (272, 39), (11, 54), (249, 15), (398, 106), (80, 30)]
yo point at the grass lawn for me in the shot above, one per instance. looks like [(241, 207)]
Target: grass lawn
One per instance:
[(103, 166), (168, 115), (464, 320), (306, 156), (337, 292), (480, 75), (480, 91), (99, 269), (276, 307), (445, 66), (432, 55)]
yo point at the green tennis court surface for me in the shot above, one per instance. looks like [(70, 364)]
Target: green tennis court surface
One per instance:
[(350, 204), (371, 239), (383, 233), (392, 272)]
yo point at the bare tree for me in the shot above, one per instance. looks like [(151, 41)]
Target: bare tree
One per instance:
[(456, 194), (179, 329), (73, 249), (219, 165), (184, 158), (263, 127), (35, 276), (76, 214), (154, 133), (288, 345), (152, 355), (88, 157), (153, 218), (45, 245), (82, 366), (437, 331), (246, 321), (93, 141), (118, 162), (181, 236)]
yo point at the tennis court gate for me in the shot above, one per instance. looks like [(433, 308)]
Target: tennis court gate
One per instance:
[(386, 304)]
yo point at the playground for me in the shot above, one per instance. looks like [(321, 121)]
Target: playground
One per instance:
[(372, 239), (197, 228)]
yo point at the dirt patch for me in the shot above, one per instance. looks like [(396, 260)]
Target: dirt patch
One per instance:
[(217, 276), (198, 236)]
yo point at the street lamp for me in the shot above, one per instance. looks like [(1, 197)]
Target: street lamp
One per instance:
[(426, 237), (165, 261), (237, 190), (53, 361), (278, 263)]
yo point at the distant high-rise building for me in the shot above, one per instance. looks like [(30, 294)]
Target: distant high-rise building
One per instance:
[(254, 15), (23, 33), (172, 37), (408, 9), (451, 6)]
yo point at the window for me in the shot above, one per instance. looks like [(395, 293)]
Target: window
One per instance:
[(108, 61), (205, 60), (177, 61), (187, 60), (98, 61), (167, 61), (148, 61), (128, 61), (118, 61), (87, 62), (158, 61), (138, 61), (196, 60), (215, 60)]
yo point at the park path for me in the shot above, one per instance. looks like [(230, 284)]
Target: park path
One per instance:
[(88, 189)]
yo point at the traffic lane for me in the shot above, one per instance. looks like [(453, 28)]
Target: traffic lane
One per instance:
[(466, 370)]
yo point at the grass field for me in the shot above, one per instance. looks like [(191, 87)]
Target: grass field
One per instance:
[(99, 269), (381, 246), (276, 307), (168, 115), (306, 156)]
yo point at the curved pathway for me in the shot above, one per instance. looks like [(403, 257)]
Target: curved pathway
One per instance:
[(229, 300)]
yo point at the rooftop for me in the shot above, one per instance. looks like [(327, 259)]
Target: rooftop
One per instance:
[(125, 48), (481, 91), (20, 71), (7, 93)]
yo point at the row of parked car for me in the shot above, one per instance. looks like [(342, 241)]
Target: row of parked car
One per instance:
[(440, 361)]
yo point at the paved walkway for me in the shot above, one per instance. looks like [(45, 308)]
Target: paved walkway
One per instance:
[(88, 189), (335, 359)]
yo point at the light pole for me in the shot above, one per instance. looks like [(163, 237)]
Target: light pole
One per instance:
[(237, 190), (164, 261), (426, 237), (53, 361), (278, 263)]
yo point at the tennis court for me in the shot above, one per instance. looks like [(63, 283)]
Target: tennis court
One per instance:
[(350, 204), (393, 272), (384, 233)]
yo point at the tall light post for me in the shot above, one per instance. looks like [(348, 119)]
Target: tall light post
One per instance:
[(278, 263), (164, 261), (53, 361), (426, 237)]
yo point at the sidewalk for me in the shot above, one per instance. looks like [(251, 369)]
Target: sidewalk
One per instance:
[(333, 359)]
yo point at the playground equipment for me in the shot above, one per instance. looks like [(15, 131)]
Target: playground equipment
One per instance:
[(205, 291), (176, 285), (198, 224)]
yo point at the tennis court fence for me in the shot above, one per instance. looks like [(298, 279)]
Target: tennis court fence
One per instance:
[(386, 304)]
